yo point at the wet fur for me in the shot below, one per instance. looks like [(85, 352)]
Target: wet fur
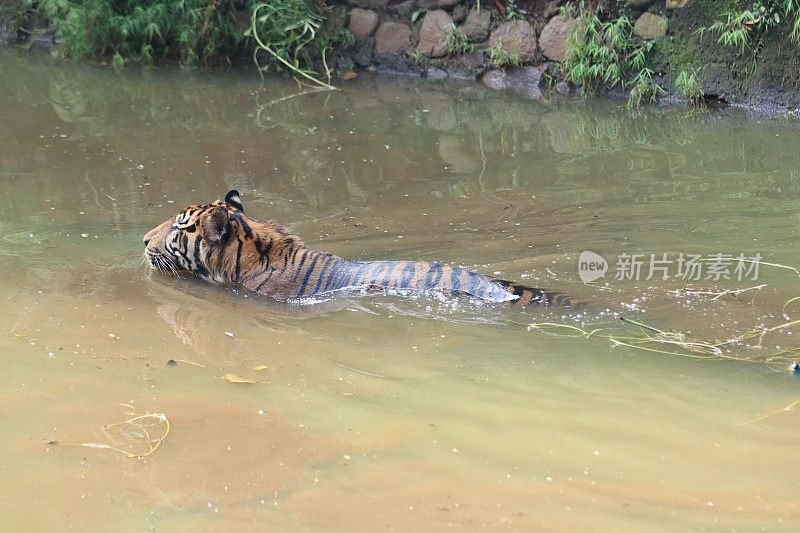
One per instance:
[(219, 243)]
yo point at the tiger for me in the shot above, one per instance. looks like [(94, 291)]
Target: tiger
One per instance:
[(219, 243)]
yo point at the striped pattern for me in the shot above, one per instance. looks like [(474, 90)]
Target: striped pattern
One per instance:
[(320, 273), (218, 242)]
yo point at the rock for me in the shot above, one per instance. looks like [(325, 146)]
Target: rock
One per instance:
[(447, 4), (466, 66), (344, 64), (368, 4), (460, 13), (472, 61), (517, 37), (639, 4), (362, 23), (428, 5), (362, 53), (562, 87), (553, 40), (495, 79), (650, 26), (403, 10), (392, 40), (432, 33), (476, 27), (457, 72), (676, 4), (335, 21), (434, 73), (525, 81)]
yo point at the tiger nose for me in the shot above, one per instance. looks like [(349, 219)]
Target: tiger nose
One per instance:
[(146, 240)]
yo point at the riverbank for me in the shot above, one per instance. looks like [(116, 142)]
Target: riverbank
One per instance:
[(697, 52)]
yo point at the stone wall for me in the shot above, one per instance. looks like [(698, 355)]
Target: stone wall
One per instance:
[(409, 37)]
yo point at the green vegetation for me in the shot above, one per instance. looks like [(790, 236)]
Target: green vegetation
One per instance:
[(289, 31), (745, 29), (455, 42), (290, 35), (686, 83), (424, 62), (191, 31), (513, 12), (499, 57), (14, 16), (644, 91), (605, 54)]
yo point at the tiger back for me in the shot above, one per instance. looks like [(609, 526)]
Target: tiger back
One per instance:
[(217, 242)]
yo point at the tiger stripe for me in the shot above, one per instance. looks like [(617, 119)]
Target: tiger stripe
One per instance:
[(321, 277), (218, 242)]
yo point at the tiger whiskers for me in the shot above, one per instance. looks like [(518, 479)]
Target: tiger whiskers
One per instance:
[(162, 263)]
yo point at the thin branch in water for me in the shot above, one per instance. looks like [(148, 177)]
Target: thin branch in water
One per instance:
[(366, 373), (719, 294), (790, 407), (141, 422)]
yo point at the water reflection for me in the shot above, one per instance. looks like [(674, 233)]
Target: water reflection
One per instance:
[(334, 146)]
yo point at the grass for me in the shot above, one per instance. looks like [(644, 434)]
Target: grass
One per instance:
[(191, 31), (686, 83), (745, 29), (289, 31), (455, 42), (499, 57), (605, 54), (597, 52), (644, 90)]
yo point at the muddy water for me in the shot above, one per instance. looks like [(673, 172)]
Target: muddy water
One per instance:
[(377, 412)]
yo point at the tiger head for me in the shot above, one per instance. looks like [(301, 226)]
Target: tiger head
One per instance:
[(198, 239)]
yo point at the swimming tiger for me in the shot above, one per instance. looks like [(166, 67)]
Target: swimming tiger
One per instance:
[(218, 242)]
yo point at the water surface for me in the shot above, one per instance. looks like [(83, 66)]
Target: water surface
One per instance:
[(378, 412)]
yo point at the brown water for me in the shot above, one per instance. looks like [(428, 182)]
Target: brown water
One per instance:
[(379, 413)]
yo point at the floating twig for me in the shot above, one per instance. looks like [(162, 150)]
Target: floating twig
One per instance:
[(719, 294), (366, 373), (786, 409), (653, 339), (142, 422), (190, 362), (546, 326)]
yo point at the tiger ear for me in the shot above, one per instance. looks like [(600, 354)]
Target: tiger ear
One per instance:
[(234, 200), (216, 226)]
